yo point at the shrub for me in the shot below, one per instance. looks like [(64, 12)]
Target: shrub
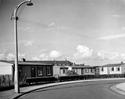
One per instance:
[(71, 73)]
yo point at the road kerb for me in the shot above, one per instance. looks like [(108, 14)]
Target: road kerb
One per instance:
[(16, 96)]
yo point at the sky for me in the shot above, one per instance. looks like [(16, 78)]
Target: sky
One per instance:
[(82, 31)]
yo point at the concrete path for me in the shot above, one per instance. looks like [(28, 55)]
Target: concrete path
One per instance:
[(119, 88), (10, 94)]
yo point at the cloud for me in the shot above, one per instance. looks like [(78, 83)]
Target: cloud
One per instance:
[(21, 55), (116, 15), (28, 43), (83, 52), (10, 56), (122, 56), (44, 56), (54, 54), (52, 24), (110, 37), (47, 55), (2, 56), (108, 55), (123, 28), (35, 58)]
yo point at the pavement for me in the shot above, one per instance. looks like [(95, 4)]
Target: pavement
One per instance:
[(119, 88), (10, 94)]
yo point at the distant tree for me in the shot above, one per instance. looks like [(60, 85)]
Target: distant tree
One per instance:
[(71, 73)]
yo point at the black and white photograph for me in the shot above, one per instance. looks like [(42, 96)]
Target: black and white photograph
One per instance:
[(62, 49)]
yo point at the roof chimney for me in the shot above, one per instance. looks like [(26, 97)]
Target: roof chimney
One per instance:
[(23, 59)]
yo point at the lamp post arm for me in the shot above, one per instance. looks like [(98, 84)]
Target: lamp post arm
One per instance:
[(16, 9)]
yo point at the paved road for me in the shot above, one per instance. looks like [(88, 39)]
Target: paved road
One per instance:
[(84, 90)]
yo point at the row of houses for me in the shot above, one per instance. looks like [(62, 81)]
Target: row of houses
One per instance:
[(30, 69)]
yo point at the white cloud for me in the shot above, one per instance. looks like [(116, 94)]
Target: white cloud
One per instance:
[(28, 43), (116, 15), (44, 56), (83, 52), (110, 37), (47, 56), (54, 54), (111, 55), (10, 56), (35, 58), (2, 56), (52, 24), (21, 55), (123, 28), (108, 55), (122, 56)]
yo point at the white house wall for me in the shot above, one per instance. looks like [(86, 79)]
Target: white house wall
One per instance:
[(105, 70), (5, 68), (115, 70), (123, 68), (56, 71)]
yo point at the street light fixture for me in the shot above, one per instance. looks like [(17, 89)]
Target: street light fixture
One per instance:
[(15, 18)]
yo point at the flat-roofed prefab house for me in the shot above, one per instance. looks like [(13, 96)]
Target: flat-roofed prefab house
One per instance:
[(31, 69), (60, 68), (103, 70), (111, 69), (116, 68), (84, 70), (79, 70), (88, 70)]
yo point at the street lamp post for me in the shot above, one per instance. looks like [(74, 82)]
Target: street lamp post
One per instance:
[(15, 18)]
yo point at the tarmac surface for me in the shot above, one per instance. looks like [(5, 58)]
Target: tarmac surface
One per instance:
[(10, 94), (81, 90)]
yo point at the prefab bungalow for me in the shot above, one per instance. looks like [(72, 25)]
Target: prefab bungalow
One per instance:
[(111, 69), (84, 70), (80, 70), (60, 68), (26, 69), (31, 69)]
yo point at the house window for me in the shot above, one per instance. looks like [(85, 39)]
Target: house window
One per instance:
[(40, 71), (102, 69), (82, 72), (92, 70), (64, 71), (112, 68), (76, 70), (48, 69), (118, 68), (86, 70)]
